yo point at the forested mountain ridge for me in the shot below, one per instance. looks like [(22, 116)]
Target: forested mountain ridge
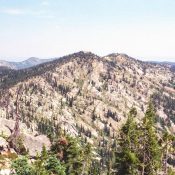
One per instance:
[(87, 87), (88, 96), (165, 63)]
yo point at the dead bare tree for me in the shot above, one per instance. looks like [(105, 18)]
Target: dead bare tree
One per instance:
[(15, 135)]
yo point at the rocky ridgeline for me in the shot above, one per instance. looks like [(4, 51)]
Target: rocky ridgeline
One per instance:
[(85, 95)]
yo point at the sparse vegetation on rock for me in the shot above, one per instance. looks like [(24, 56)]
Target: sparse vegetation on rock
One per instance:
[(88, 97)]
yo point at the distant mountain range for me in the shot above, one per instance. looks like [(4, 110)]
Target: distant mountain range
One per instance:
[(163, 62), (171, 63), (166, 63), (23, 64)]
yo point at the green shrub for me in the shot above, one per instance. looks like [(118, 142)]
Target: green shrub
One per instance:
[(22, 167)]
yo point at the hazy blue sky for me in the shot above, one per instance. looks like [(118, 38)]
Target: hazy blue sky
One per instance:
[(144, 29)]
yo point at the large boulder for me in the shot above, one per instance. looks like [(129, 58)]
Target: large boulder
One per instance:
[(35, 144), (31, 142), (6, 126)]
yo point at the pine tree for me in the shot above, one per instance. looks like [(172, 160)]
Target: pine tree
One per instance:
[(87, 156), (53, 166), (38, 166), (73, 157), (167, 146), (44, 154), (150, 149), (127, 157), (21, 166)]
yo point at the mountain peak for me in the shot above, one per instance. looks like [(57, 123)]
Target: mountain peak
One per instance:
[(84, 54), (120, 58), (33, 59)]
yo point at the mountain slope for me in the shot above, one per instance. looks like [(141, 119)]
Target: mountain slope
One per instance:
[(87, 96), (84, 92)]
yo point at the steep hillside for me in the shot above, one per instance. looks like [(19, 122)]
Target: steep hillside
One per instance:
[(85, 92), (86, 96)]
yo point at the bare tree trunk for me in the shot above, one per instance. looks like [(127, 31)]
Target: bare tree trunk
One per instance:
[(7, 106), (16, 131)]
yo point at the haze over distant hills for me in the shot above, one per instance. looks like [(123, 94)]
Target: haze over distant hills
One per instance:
[(163, 62), (170, 64), (30, 62)]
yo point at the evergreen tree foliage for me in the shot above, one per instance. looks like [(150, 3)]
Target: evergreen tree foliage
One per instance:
[(167, 149), (45, 164), (53, 166), (150, 148), (127, 157), (139, 149), (22, 167), (87, 158), (76, 155)]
